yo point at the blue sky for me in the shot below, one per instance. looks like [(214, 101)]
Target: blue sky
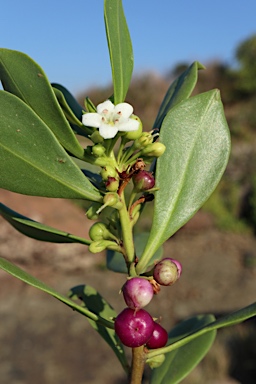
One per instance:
[(67, 38)]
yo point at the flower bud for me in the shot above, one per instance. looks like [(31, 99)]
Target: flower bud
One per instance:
[(112, 199), (107, 172), (144, 140), (154, 150), (167, 271), (98, 150), (96, 137), (112, 184), (133, 135), (99, 231), (91, 212), (143, 180)]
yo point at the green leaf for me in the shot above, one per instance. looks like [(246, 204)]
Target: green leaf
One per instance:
[(183, 334), (180, 362), (120, 48), (37, 230), (197, 142), (116, 262), (32, 160), (31, 280), (97, 304), (24, 78), (178, 91)]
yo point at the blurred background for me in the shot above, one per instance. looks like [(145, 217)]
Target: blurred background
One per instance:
[(41, 340)]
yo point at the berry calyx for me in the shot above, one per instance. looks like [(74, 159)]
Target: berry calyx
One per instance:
[(159, 337), (137, 292), (167, 271), (134, 328)]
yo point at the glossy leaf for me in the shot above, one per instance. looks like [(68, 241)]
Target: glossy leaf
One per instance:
[(32, 160), (116, 262), (197, 142), (31, 280), (178, 91), (24, 78), (180, 362), (120, 48), (37, 230), (71, 109), (95, 302)]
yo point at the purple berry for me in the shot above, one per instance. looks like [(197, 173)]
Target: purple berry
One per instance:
[(143, 180), (159, 337), (137, 292), (134, 328), (167, 271)]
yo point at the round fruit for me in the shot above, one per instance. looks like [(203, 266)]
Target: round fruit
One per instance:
[(137, 292), (167, 271), (159, 337), (143, 180), (134, 328)]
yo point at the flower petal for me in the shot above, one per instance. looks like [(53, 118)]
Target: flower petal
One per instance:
[(105, 105), (125, 109), (91, 120), (130, 125), (107, 131)]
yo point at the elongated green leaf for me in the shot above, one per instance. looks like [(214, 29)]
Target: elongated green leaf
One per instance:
[(97, 304), (178, 91), (32, 160), (24, 78), (181, 338), (197, 142), (72, 110), (120, 48), (31, 280), (116, 262), (37, 230), (179, 363)]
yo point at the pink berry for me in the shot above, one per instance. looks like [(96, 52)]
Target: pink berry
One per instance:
[(134, 328), (143, 180), (167, 271), (159, 337), (137, 292)]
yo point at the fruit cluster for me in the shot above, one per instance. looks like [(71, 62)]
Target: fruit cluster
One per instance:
[(135, 326)]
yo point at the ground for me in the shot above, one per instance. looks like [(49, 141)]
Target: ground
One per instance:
[(44, 342)]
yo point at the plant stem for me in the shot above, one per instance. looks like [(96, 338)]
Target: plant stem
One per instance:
[(138, 363)]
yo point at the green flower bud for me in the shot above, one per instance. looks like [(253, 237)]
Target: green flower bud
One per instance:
[(154, 150), (144, 140), (96, 137), (91, 212), (156, 361), (98, 231), (112, 184), (133, 135), (98, 150), (99, 246), (112, 199), (107, 172)]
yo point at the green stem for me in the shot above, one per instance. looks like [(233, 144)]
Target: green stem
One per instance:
[(126, 231), (138, 363)]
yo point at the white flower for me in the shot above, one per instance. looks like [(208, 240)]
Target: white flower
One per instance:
[(111, 118)]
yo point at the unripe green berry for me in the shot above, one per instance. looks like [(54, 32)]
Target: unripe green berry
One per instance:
[(112, 184), (133, 135), (107, 172), (98, 231), (91, 212), (144, 140)]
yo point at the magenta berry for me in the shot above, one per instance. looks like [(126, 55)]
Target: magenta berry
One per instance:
[(134, 328), (143, 180), (137, 292), (167, 271), (159, 337)]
